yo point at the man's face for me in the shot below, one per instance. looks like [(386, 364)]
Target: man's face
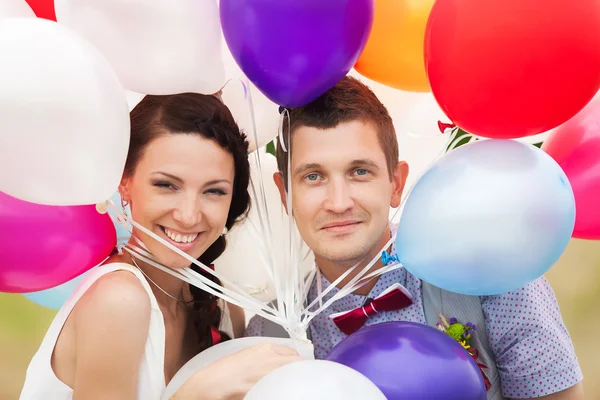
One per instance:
[(341, 190)]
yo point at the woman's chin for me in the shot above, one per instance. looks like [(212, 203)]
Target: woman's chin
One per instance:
[(169, 258), (176, 261)]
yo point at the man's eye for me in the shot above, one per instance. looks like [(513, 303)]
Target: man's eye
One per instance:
[(312, 177), (361, 172)]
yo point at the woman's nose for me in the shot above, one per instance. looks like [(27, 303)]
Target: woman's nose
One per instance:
[(188, 213)]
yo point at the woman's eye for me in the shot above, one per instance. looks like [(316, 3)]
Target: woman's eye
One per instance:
[(216, 191), (164, 185)]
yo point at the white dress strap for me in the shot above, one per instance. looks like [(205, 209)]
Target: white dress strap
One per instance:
[(42, 383)]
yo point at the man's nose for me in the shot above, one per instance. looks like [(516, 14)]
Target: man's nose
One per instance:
[(339, 197)]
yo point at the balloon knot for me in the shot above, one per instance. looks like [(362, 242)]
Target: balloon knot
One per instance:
[(443, 126), (102, 207)]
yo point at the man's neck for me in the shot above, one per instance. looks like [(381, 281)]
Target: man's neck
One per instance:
[(332, 270)]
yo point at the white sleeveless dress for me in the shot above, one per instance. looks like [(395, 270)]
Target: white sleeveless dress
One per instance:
[(42, 383)]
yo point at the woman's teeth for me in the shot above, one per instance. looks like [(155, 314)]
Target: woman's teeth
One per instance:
[(179, 238)]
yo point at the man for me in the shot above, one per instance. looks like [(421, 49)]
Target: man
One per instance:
[(344, 176)]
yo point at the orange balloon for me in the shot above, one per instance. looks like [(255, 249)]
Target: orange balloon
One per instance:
[(394, 53)]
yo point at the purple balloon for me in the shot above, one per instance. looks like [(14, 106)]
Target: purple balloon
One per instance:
[(407, 360), (296, 50)]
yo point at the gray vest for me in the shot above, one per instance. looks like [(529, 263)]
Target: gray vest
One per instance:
[(465, 309), (462, 307)]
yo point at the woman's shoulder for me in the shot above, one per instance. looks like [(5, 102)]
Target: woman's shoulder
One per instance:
[(117, 295), (106, 333)]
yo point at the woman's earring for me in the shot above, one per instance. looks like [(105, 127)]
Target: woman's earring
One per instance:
[(224, 232), (124, 204)]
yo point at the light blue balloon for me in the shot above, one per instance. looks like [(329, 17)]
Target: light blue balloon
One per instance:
[(57, 296), (487, 218), (123, 229)]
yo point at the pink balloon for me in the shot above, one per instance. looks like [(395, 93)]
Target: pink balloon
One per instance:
[(46, 246), (575, 146)]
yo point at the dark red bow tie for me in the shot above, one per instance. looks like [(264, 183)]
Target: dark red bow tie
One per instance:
[(396, 297)]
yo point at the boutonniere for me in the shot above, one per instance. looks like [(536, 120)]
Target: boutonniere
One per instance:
[(463, 333), (387, 258)]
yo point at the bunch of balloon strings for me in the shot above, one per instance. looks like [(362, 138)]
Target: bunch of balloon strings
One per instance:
[(290, 310)]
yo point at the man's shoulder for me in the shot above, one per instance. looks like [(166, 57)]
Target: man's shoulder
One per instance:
[(255, 326), (536, 293), (259, 326)]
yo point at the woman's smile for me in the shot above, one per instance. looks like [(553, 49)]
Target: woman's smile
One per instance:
[(185, 241)]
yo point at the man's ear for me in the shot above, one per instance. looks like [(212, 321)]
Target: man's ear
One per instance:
[(278, 179), (398, 181)]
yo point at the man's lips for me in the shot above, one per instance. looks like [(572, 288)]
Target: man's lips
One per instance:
[(341, 226)]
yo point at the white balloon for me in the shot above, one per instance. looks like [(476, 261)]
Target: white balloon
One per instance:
[(242, 263), (215, 353), (415, 117), (237, 94), (314, 379), (15, 9), (133, 99), (535, 139), (64, 122), (155, 46)]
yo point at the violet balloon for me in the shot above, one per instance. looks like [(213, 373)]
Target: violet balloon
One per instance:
[(293, 50), (46, 246), (407, 360)]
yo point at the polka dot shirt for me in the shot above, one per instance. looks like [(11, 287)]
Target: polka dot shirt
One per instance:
[(533, 350)]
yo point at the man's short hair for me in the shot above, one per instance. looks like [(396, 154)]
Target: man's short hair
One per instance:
[(349, 100)]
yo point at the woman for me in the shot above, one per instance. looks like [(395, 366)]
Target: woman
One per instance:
[(130, 327)]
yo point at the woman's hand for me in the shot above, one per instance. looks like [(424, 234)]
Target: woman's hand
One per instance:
[(233, 376)]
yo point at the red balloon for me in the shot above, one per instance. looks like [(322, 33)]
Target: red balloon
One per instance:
[(43, 8), (512, 68), (575, 146)]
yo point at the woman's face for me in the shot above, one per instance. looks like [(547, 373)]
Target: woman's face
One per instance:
[(181, 190)]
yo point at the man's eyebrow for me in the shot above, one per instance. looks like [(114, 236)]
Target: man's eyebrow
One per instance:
[(305, 167), (364, 163)]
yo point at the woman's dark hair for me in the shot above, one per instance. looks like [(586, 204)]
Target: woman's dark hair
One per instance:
[(207, 116)]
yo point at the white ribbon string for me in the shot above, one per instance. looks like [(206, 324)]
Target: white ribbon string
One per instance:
[(349, 287), (191, 277), (235, 294), (291, 286)]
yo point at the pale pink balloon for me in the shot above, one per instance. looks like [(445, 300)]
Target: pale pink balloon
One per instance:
[(45, 246), (575, 146)]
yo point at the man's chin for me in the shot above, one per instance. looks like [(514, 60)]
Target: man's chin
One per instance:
[(346, 257)]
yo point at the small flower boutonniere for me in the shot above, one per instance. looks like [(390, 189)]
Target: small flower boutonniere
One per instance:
[(463, 333)]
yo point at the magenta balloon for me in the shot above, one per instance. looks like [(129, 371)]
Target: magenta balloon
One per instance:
[(46, 246)]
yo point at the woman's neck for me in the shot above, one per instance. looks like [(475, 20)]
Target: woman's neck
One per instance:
[(178, 290)]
